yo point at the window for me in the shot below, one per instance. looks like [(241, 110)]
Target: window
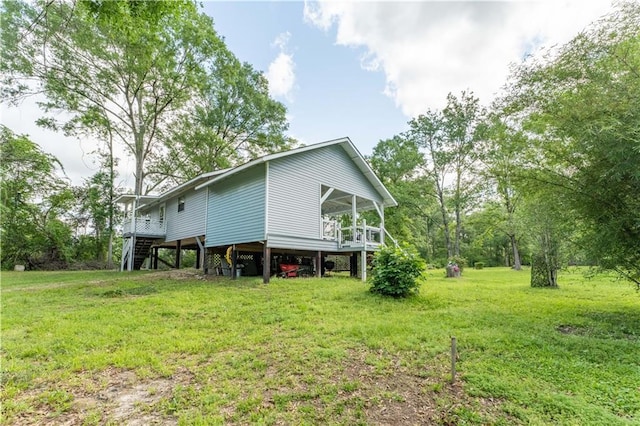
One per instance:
[(181, 203)]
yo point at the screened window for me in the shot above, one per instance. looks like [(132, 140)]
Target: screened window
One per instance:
[(181, 203)]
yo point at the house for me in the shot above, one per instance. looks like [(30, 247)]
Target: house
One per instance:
[(304, 203)]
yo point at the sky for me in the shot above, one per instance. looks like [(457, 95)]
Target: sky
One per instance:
[(362, 69)]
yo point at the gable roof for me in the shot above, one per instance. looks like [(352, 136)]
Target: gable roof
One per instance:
[(346, 144)]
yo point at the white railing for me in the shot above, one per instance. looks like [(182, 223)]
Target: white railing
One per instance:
[(364, 236), (125, 254), (144, 226), (329, 229)]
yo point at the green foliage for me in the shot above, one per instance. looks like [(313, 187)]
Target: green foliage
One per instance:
[(234, 119), (153, 75), (397, 271), (503, 160), (478, 265), (33, 202), (448, 140), (396, 162), (544, 271), (581, 105), (95, 211), (117, 67)]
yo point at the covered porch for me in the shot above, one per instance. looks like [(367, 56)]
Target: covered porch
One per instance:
[(343, 221)]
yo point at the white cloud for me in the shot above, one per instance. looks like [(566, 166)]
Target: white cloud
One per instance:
[(281, 72), (428, 49)]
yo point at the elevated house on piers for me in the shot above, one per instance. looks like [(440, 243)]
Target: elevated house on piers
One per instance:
[(293, 207)]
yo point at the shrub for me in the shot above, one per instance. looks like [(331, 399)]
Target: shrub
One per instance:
[(396, 271), (478, 265)]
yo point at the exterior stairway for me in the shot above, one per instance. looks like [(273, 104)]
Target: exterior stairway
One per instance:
[(141, 252)]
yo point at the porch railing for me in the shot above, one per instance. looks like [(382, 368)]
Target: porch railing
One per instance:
[(365, 235), (143, 226)]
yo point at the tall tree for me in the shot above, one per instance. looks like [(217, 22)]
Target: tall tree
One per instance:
[(448, 139), (128, 65), (33, 201), (462, 128), (503, 159), (234, 120), (426, 132), (96, 211), (582, 104)]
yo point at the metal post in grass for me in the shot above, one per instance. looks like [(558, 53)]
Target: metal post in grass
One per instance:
[(454, 355)]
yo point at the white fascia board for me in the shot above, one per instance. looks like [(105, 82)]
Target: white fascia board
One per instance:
[(368, 172)]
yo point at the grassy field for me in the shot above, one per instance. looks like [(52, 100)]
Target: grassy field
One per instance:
[(174, 348)]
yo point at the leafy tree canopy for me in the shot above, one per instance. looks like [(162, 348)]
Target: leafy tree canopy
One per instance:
[(33, 201), (581, 106)]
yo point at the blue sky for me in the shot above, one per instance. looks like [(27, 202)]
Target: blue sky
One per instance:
[(362, 69), (332, 96)]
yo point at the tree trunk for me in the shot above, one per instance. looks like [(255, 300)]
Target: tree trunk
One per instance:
[(517, 264), (544, 269), (456, 248), (543, 273), (112, 178), (110, 251), (445, 224)]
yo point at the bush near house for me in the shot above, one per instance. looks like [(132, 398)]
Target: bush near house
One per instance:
[(396, 271)]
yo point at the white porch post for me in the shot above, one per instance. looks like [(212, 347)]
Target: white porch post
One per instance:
[(363, 265), (365, 237), (354, 215), (382, 226)]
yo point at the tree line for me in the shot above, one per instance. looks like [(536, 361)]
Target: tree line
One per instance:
[(548, 174)]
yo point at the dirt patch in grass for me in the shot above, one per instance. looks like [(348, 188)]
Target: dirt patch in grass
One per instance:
[(570, 329), (177, 274), (111, 397), (364, 387), (401, 395)]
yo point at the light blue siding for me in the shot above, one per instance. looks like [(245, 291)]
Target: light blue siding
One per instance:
[(191, 221), (295, 184), (236, 212)]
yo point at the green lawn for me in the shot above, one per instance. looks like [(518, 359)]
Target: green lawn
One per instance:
[(113, 348)]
